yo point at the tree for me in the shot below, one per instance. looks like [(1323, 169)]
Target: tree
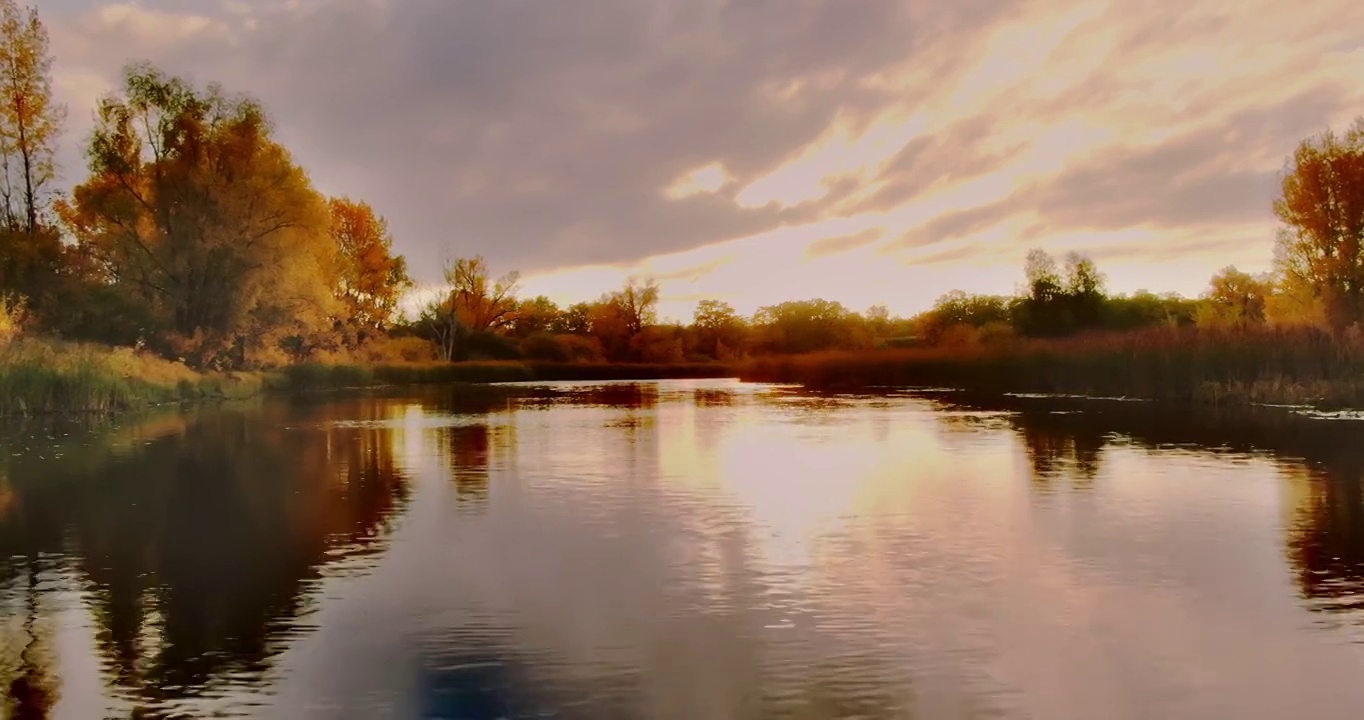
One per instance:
[(619, 317), (636, 304), (1044, 282), (30, 119), (879, 321), (441, 322), (1053, 304), (371, 279), (1084, 291), (193, 210), (1235, 298), (576, 319), (1321, 243), (957, 309), (810, 325), (483, 304), (1145, 309), (536, 315), (30, 122), (719, 328)]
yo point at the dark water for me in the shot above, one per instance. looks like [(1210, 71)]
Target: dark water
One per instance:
[(684, 550)]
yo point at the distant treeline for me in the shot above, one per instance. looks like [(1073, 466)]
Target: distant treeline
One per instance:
[(196, 237)]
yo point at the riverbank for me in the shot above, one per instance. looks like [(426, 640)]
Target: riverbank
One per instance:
[(1263, 365), (1291, 366), (43, 376), (310, 376), (40, 376)]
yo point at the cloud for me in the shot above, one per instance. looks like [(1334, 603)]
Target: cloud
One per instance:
[(695, 272), (842, 244), (587, 140)]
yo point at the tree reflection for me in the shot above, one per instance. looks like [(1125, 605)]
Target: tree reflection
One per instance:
[(31, 681), (467, 460), (1326, 532), (1322, 462), (201, 546), (1061, 445)]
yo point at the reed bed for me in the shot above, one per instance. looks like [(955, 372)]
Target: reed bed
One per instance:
[(1262, 365), (40, 376)]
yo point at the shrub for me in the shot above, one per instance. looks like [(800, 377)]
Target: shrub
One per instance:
[(546, 347)]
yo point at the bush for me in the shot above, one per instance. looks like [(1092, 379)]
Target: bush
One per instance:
[(13, 314), (486, 345), (406, 349), (546, 347)]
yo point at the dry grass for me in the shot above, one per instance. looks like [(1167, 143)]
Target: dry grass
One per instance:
[(40, 376), (1268, 365)]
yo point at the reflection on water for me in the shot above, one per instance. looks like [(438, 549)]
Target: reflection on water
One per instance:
[(683, 549)]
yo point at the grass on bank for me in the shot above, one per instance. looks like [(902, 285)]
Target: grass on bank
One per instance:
[(1297, 365), (44, 376), (41, 376), (1265, 365)]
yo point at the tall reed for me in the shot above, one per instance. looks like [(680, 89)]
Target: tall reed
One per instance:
[(1293, 365)]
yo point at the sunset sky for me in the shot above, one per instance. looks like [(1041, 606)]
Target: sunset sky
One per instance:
[(865, 151)]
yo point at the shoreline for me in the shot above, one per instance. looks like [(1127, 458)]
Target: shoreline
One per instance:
[(1299, 367)]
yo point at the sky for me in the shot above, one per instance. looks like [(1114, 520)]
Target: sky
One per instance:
[(756, 151)]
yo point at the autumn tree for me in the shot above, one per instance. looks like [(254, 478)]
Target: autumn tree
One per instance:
[(536, 315), (636, 304), (471, 309), (30, 122), (483, 303), (576, 319), (1235, 298), (1321, 243), (619, 317), (30, 118), (370, 279), (193, 210)]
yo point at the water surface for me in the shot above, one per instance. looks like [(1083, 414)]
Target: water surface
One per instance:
[(684, 549)]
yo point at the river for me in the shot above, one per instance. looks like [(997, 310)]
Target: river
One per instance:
[(684, 549)]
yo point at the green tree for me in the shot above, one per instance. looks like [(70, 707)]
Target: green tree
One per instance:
[(810, 325), (1054, 304), (1084, 292), (957, 309), (720, 331)]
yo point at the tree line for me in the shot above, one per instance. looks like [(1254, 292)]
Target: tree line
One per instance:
[(196, 235)]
